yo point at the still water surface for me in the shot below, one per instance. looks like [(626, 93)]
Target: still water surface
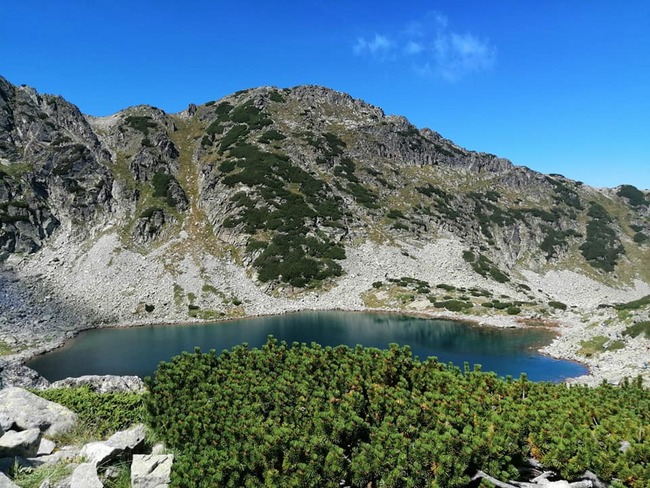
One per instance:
[(138, 350)]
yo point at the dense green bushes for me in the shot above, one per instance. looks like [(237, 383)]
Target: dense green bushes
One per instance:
[(602, 246), (100, 413), (312, 416)]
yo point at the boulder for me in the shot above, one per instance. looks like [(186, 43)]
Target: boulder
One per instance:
[(64, 454), (128, 440), (151, 470), (85, 476), (45, 448), (5, 482), (23, 443), (26, 411), (103, 384), (97, 453), (19, 375), (120, 444)]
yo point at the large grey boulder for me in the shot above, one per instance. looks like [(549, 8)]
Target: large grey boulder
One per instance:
[(5, 482), (25, 411), (120, 444), (85, 476), (23, 443), (103, 384), (151, 470), (16, 374)]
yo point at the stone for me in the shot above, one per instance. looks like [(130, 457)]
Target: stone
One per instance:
[(151, 471), (85, 476), (104, 383), (5, 482), (97, 453), (128, 440), (46, 447), (66, 453), (26, 411), (119, 444), (23, 443), (19, 375)]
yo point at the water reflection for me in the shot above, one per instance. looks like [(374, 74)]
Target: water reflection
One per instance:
[(139, 350)]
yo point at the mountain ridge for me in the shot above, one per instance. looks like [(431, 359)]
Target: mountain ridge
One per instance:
[(276, 199)]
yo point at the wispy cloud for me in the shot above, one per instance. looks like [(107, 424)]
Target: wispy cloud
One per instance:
[(379, 47), (432, 48)]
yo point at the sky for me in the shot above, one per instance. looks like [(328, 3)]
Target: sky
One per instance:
[(560, 86)]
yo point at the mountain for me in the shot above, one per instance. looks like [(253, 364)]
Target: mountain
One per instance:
[(274, 199)]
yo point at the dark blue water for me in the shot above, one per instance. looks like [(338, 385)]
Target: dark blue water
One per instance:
[(138, 350)]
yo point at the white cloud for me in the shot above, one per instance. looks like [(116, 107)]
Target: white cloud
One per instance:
[(433, 48), (379, 46)]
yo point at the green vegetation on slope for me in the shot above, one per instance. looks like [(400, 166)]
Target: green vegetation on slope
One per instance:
[(313, 416)]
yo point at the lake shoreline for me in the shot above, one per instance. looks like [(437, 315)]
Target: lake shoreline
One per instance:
[(427, 337), (466, 320)]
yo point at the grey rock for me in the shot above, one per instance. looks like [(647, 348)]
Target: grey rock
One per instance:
[(128, 440), (104, 384), (151, 471), (85, 476), (23, 443), (66, 453), (98, 453), (625, 445), (14, 374), (46, 447), (5, 482), (120, 444), (27, 411)]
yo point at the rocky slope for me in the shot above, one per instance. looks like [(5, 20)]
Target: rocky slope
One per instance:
[(271, 200)]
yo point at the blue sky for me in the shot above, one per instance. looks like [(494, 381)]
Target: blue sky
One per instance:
[(558, 86)]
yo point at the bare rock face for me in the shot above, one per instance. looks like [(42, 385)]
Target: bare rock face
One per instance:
[(24, 410), (103, 384), (24, 443), (85, 476), (151, 470)]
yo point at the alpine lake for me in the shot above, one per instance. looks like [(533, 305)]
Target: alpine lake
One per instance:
[(139, 350)]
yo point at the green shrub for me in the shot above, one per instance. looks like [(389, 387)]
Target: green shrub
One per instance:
[(633, 305), (633, 195), (640, 238), (602, 246), (103, 413), (513, 310), (453, 305), (642, 327), (140, 123), (314, 416), (558, 305)]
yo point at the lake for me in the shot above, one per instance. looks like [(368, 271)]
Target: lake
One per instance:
[(138, 350)]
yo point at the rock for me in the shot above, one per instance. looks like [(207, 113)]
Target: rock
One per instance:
[(128, 440), (625, 445), (5, 482), (23, 443), (121, 443), (46, 447), (26, 410), (14, 374), (103, 384), (66, 453), (85, 476), (151, 471), (97, 453)]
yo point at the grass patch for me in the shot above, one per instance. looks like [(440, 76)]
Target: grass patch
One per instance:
[(599, 344), (99, 414), (27, 477)]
